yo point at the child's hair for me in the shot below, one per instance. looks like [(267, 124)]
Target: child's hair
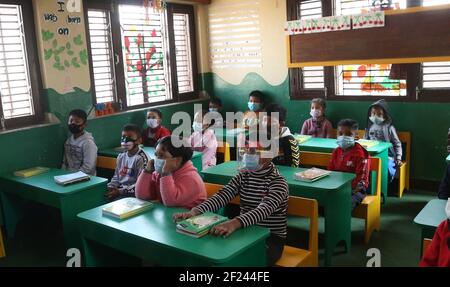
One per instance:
[(184, 151), (79, 114), (257, 94), (216, 101), (132, 128), (319, 101), (158, 112), (276, 108), (352, 124)]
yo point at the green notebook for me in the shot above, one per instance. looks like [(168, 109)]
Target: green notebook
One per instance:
[(126, 207), (200, 225)]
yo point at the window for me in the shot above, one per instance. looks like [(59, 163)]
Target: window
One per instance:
[(19, 80), (366, 80), (435, 75), (141, 56)]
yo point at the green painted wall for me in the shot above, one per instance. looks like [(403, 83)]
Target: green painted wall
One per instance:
[(427, 122)]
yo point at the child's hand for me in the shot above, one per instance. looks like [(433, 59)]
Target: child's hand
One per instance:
[(113, 192), (398, 162), (150, 166), (184, 215), (225, 229), (170, 166)]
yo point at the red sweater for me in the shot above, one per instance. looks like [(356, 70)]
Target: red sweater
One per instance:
[(152, 136), (438, 253), (354, 160)]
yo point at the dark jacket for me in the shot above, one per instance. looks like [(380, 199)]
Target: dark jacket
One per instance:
[(289, 154), (389, 132)]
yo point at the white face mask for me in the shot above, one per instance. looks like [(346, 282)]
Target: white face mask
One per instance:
[(376, 120), (152, 123), (447, 208), (159, 164), (316, 113), (197, 127)]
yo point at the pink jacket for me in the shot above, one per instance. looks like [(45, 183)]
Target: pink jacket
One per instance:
[(316, 129), (184, 188), (207, 144)]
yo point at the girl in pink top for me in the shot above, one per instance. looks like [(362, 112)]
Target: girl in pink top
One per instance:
[(204, 140), (317, 126), (171, 177)]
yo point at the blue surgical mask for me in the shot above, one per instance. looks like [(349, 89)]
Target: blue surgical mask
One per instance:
[(254, 106), (213, 110), (251, 162), (197, 127), (152, 123), (159, 164), (376, 120), (345, 142), (316, 113)]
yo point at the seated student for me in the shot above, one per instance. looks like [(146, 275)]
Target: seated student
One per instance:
[(263, 201), (129, 164), (350, 156), (380, 128), (289, 153), (80, 151), (171, 177), (438, 253), (155, 130), (317, 126), (444, 187), (215, 107), (255, 106), (204, 140)]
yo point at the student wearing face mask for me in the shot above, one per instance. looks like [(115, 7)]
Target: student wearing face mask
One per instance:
[(317, 126), (203, 139), (444, 187), (171, 177), (350, 156), (438, 252), (215, 108), (263, 201), (255, 106), (129, 164), (154, 130), (80, 151), (381, 128)]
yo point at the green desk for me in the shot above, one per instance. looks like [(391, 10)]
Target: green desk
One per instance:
[(152, 236), (332, 192), (71, 199), (114, 152), (430, 217), (448, 159), (328, 145)]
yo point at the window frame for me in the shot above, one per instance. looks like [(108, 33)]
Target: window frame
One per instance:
[(414, 84), (121, 100), (33, 66)]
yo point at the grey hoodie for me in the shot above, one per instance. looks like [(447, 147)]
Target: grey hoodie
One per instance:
[(80, 154), (385, 132)]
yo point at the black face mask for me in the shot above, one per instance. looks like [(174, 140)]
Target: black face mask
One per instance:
[(75, 129)]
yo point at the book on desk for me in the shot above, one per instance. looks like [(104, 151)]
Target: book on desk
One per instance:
[(31, 171), (126, 207), (198, 226), (311, 174), (71, 178)]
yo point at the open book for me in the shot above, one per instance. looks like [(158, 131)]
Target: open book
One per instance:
[(301, 138), (71, 178), (31, 171), (126, 207), (200, 225), (311, 174)]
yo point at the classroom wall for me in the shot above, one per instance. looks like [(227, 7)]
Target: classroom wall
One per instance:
[(428, 122)]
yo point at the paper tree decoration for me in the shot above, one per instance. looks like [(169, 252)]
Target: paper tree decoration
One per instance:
[(368, 20)]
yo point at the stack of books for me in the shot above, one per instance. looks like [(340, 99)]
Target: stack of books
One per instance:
[(71, 178), (126, 207), (200, 225), (311, 174)]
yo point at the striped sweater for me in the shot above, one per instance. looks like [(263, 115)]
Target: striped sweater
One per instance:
[(263, 195)]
